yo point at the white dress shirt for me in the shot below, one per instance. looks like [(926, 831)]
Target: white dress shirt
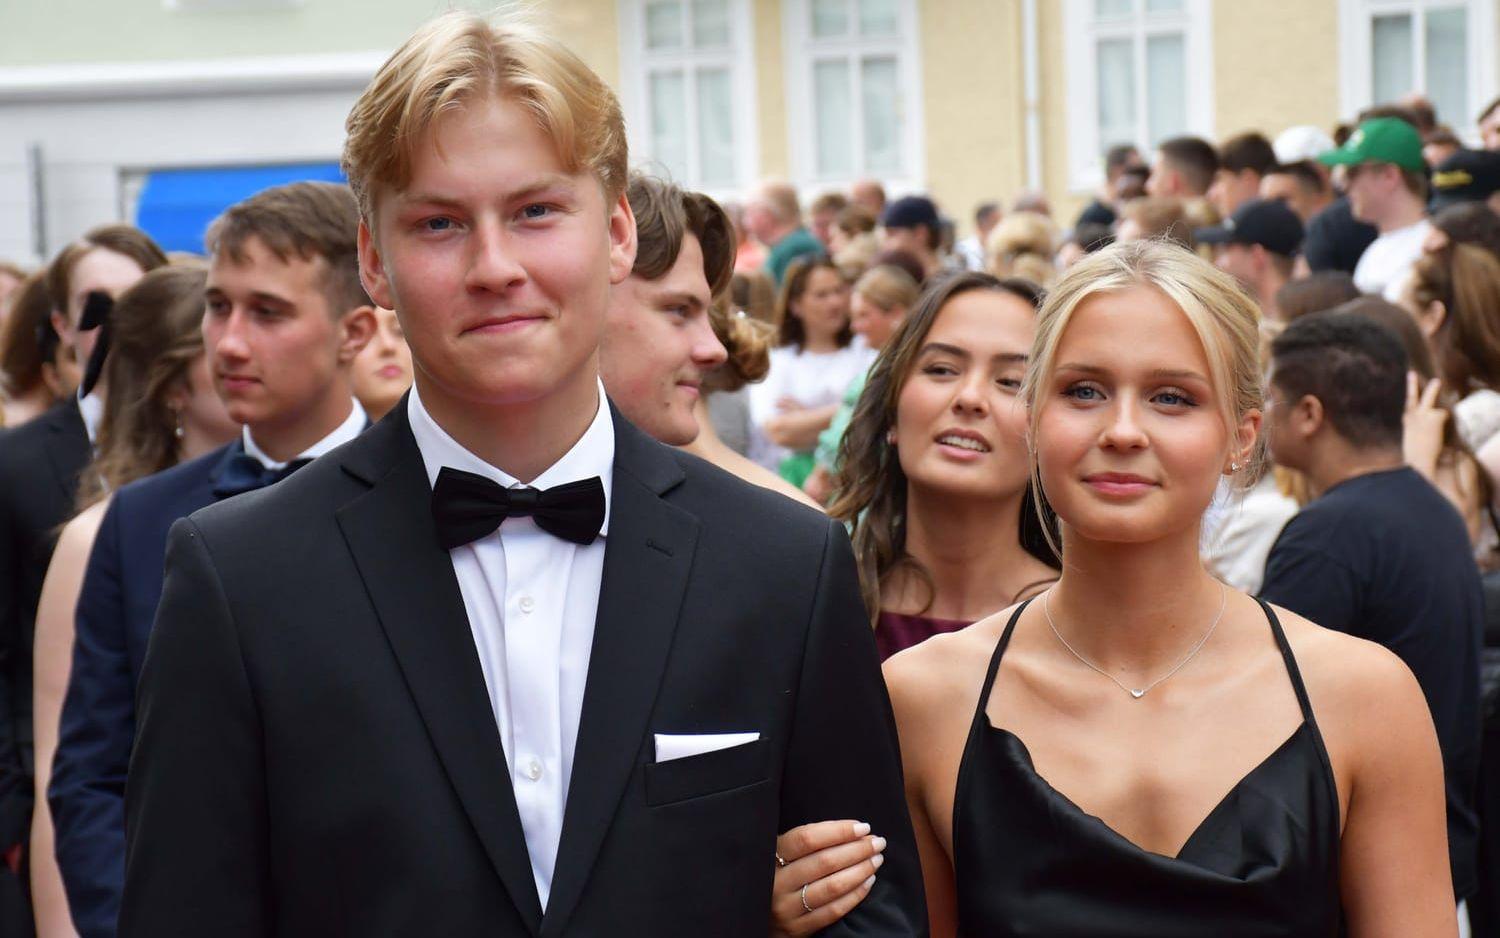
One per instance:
[(91, 409), (352, 426), (531, 599)]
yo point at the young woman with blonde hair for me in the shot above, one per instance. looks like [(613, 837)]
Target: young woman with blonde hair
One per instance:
[(1141, 750)]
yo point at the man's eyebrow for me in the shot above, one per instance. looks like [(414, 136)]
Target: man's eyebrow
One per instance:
[(549, 182), (683, 297)]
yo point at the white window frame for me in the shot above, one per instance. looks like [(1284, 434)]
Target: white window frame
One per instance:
[(803, 51), (1356, 38), (1080, 33), (636, 65)]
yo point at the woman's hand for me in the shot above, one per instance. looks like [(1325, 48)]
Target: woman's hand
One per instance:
[(1422, 425), (828, 867)]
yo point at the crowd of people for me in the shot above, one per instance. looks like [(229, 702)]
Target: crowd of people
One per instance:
[(510, 543)]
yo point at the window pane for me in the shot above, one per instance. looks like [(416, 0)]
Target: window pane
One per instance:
[(830, 18), (1163, 6), (715, 128), (878, 17), (669, 123), (832, 110), (710, 23), (1391, 57), (1116, 59), (1113, 9), (1448, 64), (1166, 87), (880, 91), (664, 24)]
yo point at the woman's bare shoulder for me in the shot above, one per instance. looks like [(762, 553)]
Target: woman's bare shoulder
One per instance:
[(77, 536), (944, 669), (1351, 681)]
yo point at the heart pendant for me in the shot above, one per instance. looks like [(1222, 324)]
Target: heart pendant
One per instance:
[(1137, 693)]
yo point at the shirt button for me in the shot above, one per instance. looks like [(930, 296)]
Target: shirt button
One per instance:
[(533, 770), (527, 604)]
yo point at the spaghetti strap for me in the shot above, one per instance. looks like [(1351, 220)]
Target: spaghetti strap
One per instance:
[(1291, 661), (989, 677)]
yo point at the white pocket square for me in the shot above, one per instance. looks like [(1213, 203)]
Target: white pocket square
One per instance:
[(671, 746)]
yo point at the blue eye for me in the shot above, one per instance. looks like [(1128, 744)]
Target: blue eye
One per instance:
[(535, 212), (1176, 399), (1083, 392), (438, 224)]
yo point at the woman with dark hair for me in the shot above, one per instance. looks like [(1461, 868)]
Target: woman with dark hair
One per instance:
[(161, 410), (36, 371), (935, 478), (1431, 442), (814, 361), (933, 473)]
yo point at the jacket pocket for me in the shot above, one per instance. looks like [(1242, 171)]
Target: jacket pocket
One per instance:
[(707, 774)]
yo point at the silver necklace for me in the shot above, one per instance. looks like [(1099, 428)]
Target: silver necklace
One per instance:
[(1137, 692)]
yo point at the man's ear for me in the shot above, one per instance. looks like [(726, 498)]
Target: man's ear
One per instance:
[(372, 268), (622, 239), (356, 328), (1308, 416)]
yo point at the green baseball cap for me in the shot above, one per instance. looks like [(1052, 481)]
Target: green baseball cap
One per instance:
[(1381, 140)]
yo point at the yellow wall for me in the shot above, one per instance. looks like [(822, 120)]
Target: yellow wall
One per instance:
[(974, 102), (770, 90), (592, 30), (1268, 75)]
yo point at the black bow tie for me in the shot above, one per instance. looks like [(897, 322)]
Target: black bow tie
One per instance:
[(245, 473), (468, 507)]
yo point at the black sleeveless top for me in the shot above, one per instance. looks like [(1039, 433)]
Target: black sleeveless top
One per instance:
[(1030, 862)]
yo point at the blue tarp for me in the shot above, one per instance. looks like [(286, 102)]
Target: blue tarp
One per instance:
[(176, 205)]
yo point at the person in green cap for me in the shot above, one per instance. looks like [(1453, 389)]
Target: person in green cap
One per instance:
[(1387, 187)]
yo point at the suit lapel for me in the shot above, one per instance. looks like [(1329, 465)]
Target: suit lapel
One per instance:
[(411, 582), (647, 556), (67, 446)]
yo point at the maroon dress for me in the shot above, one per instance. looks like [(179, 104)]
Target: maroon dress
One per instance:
[(895, 631)]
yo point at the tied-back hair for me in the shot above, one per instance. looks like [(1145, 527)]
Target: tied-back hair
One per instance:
[(1465, 278), (789, 328), (121, 239), (157, 336), (746, 340), (870, 487), (1225, 319)]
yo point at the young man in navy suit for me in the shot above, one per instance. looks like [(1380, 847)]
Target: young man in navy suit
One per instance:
[(285, 316), (504, 665)]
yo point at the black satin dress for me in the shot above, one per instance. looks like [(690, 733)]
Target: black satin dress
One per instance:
[(1028, 861)]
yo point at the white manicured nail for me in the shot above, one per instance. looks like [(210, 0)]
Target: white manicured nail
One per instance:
[(861, 828)]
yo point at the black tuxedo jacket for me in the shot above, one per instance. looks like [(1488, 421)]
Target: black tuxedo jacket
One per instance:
[(316, 753), (40, 462)]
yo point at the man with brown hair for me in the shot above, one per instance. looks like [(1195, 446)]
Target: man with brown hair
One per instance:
[(773, 216), (286, 315), (1387, 188), (658, 342), (504, 665), (1184, 168), (1244, 160)]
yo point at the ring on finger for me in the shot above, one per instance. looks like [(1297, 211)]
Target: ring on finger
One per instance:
[(804, 900), (779, 860)]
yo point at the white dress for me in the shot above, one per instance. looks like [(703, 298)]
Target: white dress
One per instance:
[(812, 379)]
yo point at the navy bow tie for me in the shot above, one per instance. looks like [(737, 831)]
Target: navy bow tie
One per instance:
[(245, 473), (467, 507)]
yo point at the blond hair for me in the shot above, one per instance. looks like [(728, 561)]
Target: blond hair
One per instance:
[(458, 57), (1225, 318), (888, 287), (1022, 245)]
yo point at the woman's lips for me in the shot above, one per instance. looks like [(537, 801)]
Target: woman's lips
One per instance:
[(1120, 485)]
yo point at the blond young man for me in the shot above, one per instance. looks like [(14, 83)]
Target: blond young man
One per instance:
[(504, 665)]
